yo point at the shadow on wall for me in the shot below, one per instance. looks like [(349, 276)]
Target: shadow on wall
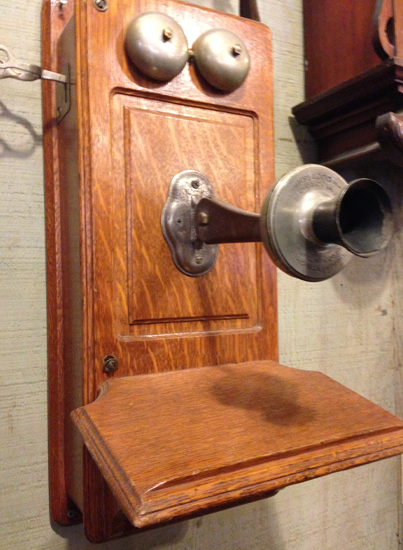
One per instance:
[(250, 526), (304, 141), (163, 537), (225, 6), (371, 274), (18, 138)]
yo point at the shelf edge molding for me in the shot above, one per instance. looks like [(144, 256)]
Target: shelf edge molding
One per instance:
[(180, 444)]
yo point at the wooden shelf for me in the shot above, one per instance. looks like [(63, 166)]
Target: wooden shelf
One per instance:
[(176, 444)]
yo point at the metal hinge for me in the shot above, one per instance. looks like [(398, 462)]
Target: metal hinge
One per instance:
[(10, 67)]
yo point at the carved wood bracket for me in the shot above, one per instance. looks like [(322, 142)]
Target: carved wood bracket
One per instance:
[(389, 129)]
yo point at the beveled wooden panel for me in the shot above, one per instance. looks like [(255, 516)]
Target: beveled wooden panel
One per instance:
[(227, 434), (228, 316), (218, 144)]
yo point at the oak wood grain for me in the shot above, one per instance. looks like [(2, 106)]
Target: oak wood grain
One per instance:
[(116, 277), (223, 434), (111, 293), (54, 21), (119, 150), (218, 144), (117, 293)]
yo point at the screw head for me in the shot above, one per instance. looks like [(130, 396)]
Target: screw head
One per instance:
[(110, 364), (71, 514), (195, 184), (203, 218), (167, 33), (101, 5), (199, 260), (236, 50)]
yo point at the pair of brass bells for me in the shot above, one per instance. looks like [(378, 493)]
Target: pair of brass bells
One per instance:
[(157, 45)]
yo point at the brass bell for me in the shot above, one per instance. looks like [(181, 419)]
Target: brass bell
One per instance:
[(222, 59), (157, 45)]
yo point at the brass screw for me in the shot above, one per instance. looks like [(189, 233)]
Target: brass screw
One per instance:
[(110, 364), (203, 218), (236, 50), (101, 5), (167, 33), (199, 259)]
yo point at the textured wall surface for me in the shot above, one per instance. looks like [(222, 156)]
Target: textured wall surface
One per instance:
[(351, 328)]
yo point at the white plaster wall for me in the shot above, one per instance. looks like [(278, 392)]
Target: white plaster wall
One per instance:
[(348, 327)]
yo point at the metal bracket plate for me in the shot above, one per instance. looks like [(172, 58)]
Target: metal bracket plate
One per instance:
[(190, 255), (63, 96)]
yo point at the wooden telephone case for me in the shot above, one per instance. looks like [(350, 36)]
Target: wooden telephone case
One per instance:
[(198, 414)]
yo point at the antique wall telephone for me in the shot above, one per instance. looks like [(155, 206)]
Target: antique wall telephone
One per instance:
[(158, 143)]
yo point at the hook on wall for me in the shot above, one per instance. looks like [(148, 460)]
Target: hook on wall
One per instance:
[(11, 67), (22, 150)]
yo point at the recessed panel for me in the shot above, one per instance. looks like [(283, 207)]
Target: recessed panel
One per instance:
[(160, 140)]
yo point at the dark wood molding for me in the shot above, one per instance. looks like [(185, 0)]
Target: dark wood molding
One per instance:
[(343, 120), (390, 136), (352, 95)]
